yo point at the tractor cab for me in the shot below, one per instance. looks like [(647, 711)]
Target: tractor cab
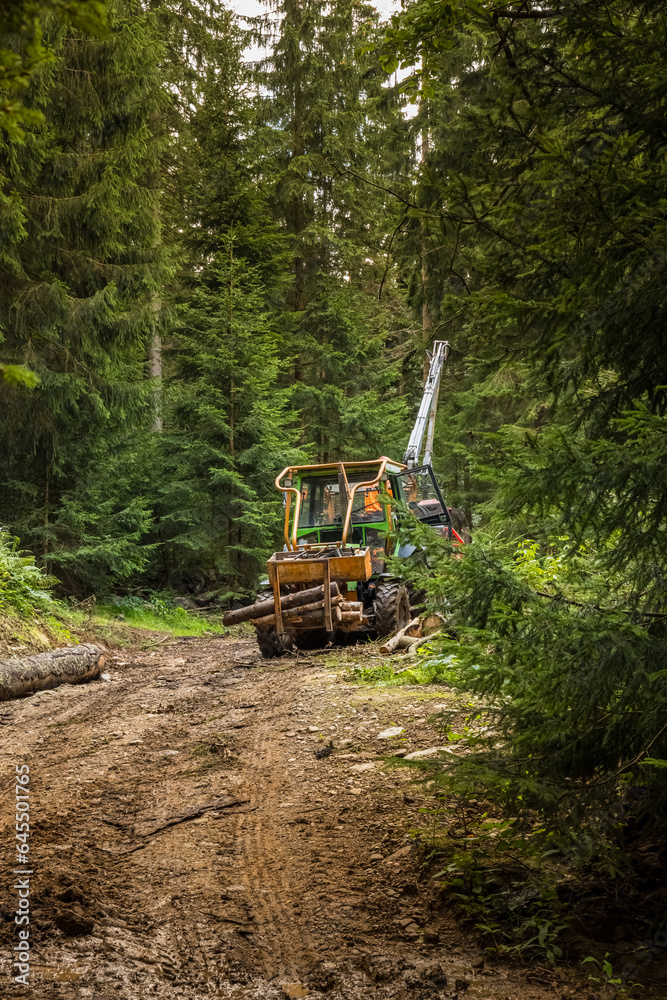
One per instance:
[(349, 504)]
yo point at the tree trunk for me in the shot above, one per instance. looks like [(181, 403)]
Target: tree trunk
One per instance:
[(263, 608), (71, 665), (155, 369)]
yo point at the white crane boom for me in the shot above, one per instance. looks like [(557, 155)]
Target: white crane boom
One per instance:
[(427, 409)]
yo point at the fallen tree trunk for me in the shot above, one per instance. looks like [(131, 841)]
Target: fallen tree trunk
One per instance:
[(264, 608), (71, 665)]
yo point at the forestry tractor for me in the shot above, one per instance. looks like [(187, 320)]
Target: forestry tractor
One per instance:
[(330, 582)]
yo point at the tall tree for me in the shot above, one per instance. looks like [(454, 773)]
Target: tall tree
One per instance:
[(326, 111), (24, 48), (547, 184), (81, 266), (225, 434)]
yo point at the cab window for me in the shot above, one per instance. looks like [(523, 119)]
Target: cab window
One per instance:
[(321, 503)]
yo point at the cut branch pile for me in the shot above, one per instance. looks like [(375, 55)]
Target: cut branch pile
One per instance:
[(413, 635)]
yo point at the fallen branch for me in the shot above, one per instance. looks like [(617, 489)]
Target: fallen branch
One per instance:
[(156, 642), (414, 646), (192, 813), (71, 665), (400, 639)]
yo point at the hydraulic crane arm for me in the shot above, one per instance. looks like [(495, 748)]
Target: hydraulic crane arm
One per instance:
[(427, 409)]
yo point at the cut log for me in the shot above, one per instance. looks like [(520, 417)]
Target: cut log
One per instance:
[(289, 615), (313, 619), (432, 623), (71, 665), (264, 608), (354, 626), (348, 617), (400, 639), (352, 606), (308, 611), (345, 620)]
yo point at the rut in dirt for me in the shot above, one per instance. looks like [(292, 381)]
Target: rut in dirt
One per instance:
[(191, 838)]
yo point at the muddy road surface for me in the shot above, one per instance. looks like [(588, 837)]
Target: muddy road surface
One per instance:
[(208, 824)]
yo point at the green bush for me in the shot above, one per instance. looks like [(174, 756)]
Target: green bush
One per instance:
[(23, 586), (571, 724)]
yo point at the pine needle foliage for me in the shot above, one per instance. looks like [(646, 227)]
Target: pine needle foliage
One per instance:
[(325, 115), (81, 264), (571, 724), (227, 434), (539, 202), (25, 48)]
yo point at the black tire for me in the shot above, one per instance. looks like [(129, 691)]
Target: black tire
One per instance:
[(271, 644), (392, 607)]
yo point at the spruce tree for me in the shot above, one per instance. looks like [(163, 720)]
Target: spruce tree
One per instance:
[(225, 436), (24, 48), (326, 111), (81, 267), (226, 439), (546, 182)]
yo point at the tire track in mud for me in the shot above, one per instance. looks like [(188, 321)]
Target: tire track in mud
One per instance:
[(287, 945)]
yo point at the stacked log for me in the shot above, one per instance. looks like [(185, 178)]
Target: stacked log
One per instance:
[(288, 601), (303, 609), (352, 616), (309, 614)]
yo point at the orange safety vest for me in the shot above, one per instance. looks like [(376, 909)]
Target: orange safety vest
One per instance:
[(372, 501)]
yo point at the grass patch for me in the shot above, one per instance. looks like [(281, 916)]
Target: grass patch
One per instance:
[(434, 670), (214, 753), (159, 614)]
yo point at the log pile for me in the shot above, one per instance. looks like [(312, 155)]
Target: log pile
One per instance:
[(301, 610)]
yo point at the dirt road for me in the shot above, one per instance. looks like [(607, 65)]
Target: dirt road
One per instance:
[(190, 838)]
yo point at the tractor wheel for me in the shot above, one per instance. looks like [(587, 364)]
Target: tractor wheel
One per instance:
[(392, 607), (271, 644)]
